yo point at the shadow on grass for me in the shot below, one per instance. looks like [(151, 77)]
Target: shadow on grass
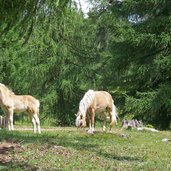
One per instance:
[(67, 139), (79, 141), (11, 166), (121, 158)]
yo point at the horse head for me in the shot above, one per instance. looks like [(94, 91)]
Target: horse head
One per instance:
[(80, 120), (5, 90)]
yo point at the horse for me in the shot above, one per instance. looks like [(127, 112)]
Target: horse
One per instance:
[(10, 103), (99, 102)]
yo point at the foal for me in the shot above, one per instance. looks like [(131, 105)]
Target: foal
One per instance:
[(11, 103)]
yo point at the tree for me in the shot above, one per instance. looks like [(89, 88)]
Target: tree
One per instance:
[(48, 56), (139, 57), (49, 50)]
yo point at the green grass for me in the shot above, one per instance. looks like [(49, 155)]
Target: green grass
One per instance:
[(71, 149)]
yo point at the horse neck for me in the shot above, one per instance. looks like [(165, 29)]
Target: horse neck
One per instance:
[(86, 102), (5, 96), (5, 90)]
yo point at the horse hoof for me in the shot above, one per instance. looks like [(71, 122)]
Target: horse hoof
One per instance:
[(90, 132)]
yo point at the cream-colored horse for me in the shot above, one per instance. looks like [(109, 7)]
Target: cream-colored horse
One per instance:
[(11, 103), (99, 102)]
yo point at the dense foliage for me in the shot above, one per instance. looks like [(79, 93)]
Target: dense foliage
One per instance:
[(51, 51)]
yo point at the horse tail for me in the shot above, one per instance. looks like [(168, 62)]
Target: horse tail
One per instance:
[(38, 106), (114, 113)]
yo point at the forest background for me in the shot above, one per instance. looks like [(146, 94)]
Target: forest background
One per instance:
[(52, 51)]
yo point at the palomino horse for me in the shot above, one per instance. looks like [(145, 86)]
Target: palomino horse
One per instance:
[(11, 103), (99, 102)]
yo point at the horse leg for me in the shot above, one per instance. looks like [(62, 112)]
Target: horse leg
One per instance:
[(38, 123), (104, 122), (91, 124), (10, 120), (34, 124), (88, 119), (92, 119)]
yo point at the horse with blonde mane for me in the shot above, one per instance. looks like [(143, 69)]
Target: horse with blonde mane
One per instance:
[(10, 103), (99, 102)]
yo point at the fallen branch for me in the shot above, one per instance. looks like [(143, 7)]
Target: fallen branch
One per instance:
[(147, 129)]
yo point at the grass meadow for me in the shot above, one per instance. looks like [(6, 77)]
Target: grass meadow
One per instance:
[(71, 150)]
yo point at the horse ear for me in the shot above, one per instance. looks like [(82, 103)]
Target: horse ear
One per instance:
[(75, 114)]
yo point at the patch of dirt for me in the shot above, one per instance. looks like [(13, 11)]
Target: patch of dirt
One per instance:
[(5, 151), (27, 128), (54, 149)]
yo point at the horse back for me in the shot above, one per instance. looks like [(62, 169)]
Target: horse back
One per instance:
[(26, 102), (102, 100)]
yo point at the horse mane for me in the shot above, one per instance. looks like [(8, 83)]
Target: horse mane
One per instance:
[(86, 101), (6, 89)]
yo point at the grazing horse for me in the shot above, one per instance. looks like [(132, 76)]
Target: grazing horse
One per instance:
[(10, 103), (99, 102)]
